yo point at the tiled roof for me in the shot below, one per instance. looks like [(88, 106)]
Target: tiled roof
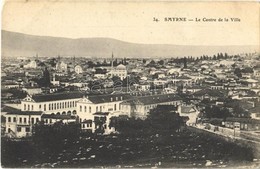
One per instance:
[(156, 99), (101, 113), (55, 116), (14, 111), (243, 120), (213, 93), (57, 96), (187, 109), (255, 109), (96, 99)]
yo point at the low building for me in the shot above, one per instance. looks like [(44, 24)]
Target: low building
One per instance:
[(208, 94), (255, 112), (140, 107), (189, 111), (248, 124), (32, 90), (32, 64), (10, 85), (19, 123), (50, 119)]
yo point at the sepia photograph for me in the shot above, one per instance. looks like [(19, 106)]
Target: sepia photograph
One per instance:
[(130, 84)]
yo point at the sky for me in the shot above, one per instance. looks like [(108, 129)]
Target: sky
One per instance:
[(133, 21)]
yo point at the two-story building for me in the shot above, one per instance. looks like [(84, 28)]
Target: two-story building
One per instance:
[(87, 106), (19, 123), (140, 106), (56, 103)]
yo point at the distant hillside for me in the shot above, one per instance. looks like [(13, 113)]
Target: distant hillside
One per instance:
[(18, 44)]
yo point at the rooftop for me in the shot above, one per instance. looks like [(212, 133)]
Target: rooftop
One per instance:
[(57, 96), (14, 111)]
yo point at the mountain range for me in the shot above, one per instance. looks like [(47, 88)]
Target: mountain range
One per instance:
[(18, 44)]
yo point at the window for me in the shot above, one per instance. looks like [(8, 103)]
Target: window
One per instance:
[(85, 109), (37, 119), (100, 108), (32, 107), (54, 106), (58, 105), (32, 120), (89, 109), (65, 104), (96, 108), (80, 108), (27, 129), (24, 120), (44, 108), (49, 106), (40, 106), (14, 119), (20, 120), (115, 107), (19, 129), (50, 120), (9, 119), (28, 107), (24, 107)]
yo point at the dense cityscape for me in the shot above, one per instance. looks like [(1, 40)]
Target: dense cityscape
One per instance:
[(125, 112)]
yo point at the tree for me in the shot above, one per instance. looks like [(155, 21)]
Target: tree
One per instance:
[(237, 72), (45, 81), (185, 62), (51, 136), (99, 123), (164, 117), (161, 62), (90, 64), (216, 112)]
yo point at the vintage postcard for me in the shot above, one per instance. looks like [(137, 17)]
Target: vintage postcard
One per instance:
[(130, 84)]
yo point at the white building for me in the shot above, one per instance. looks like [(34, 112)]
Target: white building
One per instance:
[(87, 106), (32, 64), (78, 69), (119, 71), (49, 119), (61, 67), (139, 107), (99, 107), (189, 111), (57, 103), (19, 123), (32, 90)]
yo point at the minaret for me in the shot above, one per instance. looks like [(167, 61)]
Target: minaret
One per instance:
[(74, 61), (112, 62), (53, 78)]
